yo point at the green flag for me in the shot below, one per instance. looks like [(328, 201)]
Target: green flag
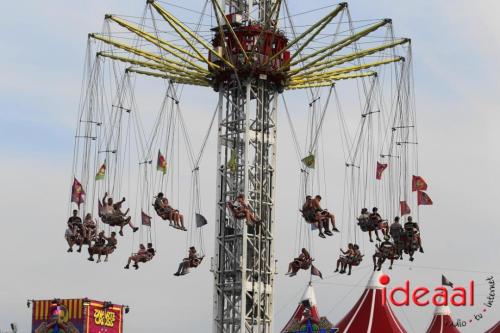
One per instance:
[(102, 172), (309, 161), (233, 161)]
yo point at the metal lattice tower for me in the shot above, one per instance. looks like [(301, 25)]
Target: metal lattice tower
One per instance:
[(244, 256), (249, 61)]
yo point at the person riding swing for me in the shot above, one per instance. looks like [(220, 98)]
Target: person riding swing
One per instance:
[(112, 215), (89, 228), (303, 261), (386, 250), (397, 232), (192, 261), (412, 231), (375, 222), (241, 210), (103, 246), (351, 257), (168, 213), (75, 223), (309, 215), (323, 215), (143, 255)]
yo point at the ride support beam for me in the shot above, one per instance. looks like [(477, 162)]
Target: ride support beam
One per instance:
[(329, 82), (315, 26), (322, 65), (335, 47), (174, 78), (179, 27), (346, 70), (165, 69), (167, 63), (171, 48)]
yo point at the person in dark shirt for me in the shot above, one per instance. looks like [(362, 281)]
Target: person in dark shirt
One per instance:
[(75, 223)]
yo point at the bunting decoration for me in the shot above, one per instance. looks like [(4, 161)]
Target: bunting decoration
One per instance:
[(102, 172), (309, 161), (418, 184), (161, 163), (423, 199), (146, 219), (77, 193), (404, 207), (316, 272), (380, 169)]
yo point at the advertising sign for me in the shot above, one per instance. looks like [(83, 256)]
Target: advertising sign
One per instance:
[(103, 317)]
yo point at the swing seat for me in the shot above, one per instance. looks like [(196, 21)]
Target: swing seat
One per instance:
[(195, 263)]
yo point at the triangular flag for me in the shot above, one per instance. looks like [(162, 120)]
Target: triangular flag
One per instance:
[(315, 271), (404, 207), (102, 172), (309, 161), (232, 164), (380, 169), (446, 282), (77, 193), (146, 219), (418, 184), (200, 220), (161, 163), (423, 199)]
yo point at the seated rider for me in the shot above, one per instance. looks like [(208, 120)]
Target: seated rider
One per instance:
[(323, 213), (119, 218), (346, 255), (309, 214), (363, 219), (241, 210), (412, 229), (100, 241), (192, 261), (151, 251), (75, 223), (98, 247), (89, 227), (112, 242), (396, 229), (307, 210), (303, 261), (162, 207), (386, 248), (109, 248), (167, 212), (143, 255), (374, 223), (353, 260), (106, 210)]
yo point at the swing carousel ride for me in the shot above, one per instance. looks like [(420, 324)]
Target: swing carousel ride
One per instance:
[(255, 58)]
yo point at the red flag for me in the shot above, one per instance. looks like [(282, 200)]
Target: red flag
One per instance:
[(77, 193), (405, 209), (418, 184), (315, 271), (380, 168), (146, 219), (423, 198)]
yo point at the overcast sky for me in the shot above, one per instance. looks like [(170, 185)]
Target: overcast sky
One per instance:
[(456, 50)]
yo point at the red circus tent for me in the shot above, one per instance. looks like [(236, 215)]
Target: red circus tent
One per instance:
[(306, 317), (369, 315), (494, 329), (442, 321)]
